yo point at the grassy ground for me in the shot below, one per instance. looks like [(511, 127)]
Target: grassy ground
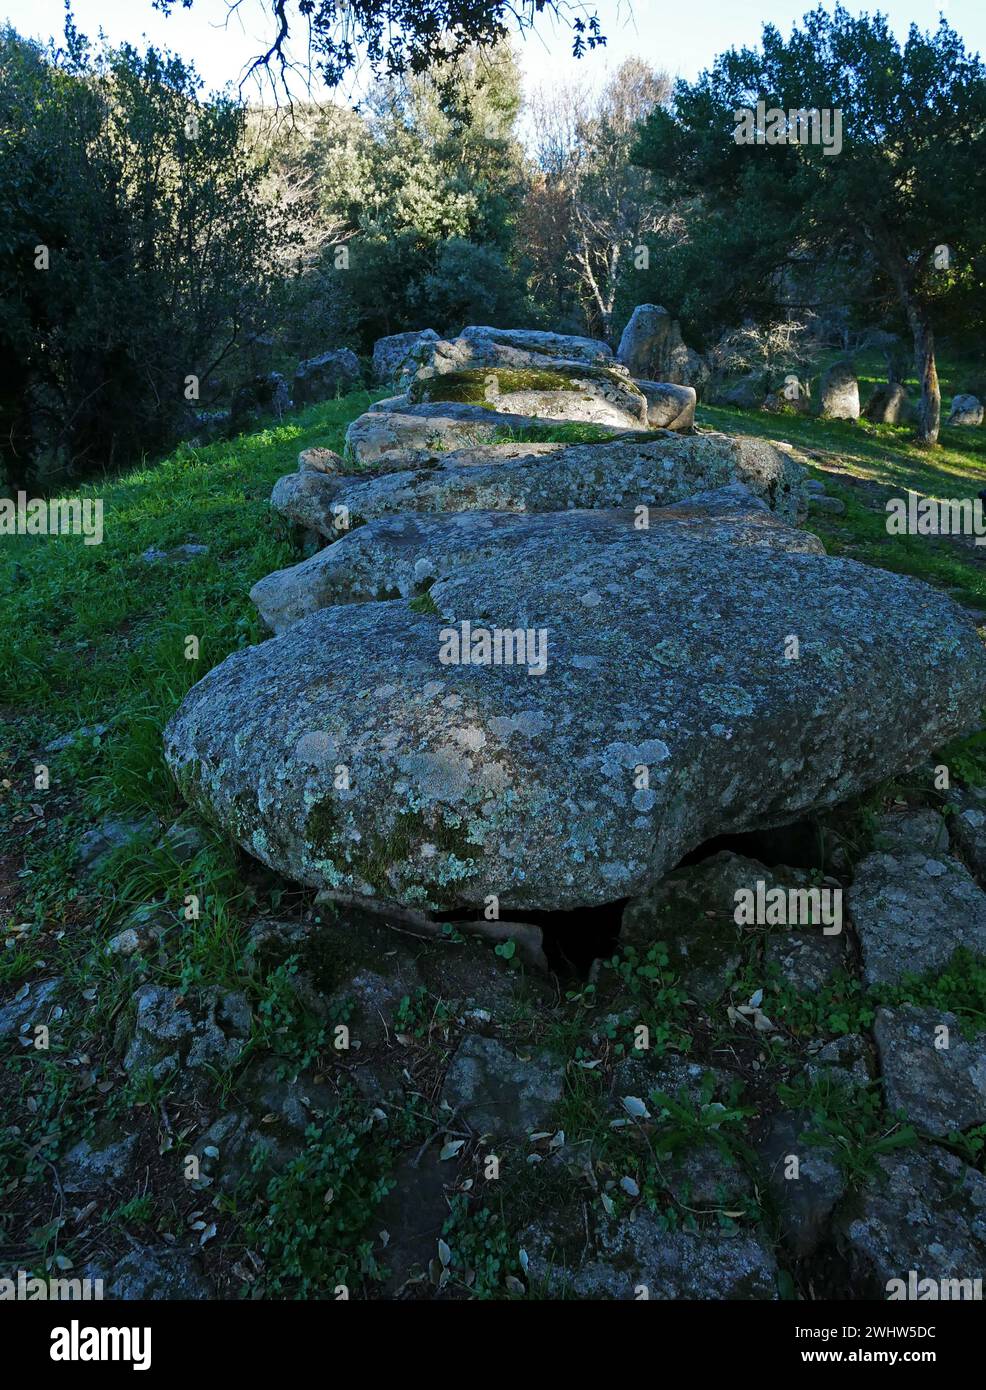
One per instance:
[(98, 643)]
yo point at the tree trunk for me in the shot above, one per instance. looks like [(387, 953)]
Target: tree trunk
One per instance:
[(929, 408)]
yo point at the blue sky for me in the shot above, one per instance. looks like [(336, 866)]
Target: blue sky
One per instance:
[(682, 37)]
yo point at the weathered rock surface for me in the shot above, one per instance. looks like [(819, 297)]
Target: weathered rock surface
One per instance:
[(320, 460), (665, 649), (671, 1074), (842, 1062), (517, 348), (157, 1272), (804, 1177), (830, 506), (692, 910), (669, 407), (88, 1169), (925, 1212), (326, 376), (434, 424), (922, 831), (498, 1093), (912, 911), (403, 555), (968, 828), (838, 393), (98, 845), (169, 1034), (939, 1087), (182, 842), (595, 395), (701, 1173), (625, 473), (966, 410), (626, 1255), (30, 1006), (651, 347), (269, 1117), (391, 354), (806, 959)]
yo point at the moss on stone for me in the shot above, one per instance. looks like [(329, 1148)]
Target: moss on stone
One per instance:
[(322, 827), (371, 860), (470, 386)]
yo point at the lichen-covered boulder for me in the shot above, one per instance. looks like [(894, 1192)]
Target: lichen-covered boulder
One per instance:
[(390, 354), (403, 555), (596, 395), (689, 368), (559, 725), (923, 1216), (669, 407), (536, 342), (519, 348), (432, 425), (647, 340), (650, 472), (966, 410), (651, 347), (838, 393)]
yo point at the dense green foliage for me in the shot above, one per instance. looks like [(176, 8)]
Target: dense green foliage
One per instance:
[(895, 217), (134, 246)]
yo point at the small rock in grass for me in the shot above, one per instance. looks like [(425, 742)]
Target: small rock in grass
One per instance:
[(832, 506), (178, 555), (125, 943), (88, 1169), (30, 1005), (98, 844)]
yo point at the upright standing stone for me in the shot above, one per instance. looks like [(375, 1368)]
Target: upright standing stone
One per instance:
[(651, 347), (645, 347), (839, 393)]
